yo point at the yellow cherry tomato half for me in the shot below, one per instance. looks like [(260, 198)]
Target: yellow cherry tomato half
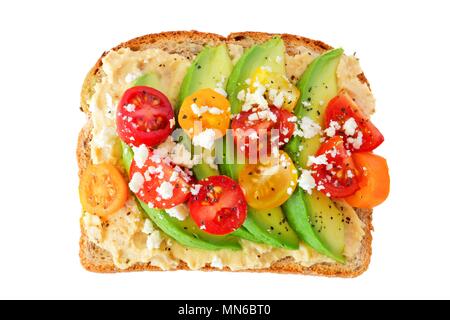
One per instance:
[(208, 108), (102, 189), (269, 184), (279, 91)]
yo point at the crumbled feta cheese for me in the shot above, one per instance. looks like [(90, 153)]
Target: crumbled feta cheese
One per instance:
[(306, 181), (289, 191), (148, 227), (322, 159), (331, 130), (150, 204), (309, 128), (172, 123), (247, 81), (181, 156), (306, 103), (350, 173), (350, 126), (205, 139), (279, 100), (356, 142), (241, 95), (195, 189), (136, 182), (174, 176), (140, 155), (292, 119), (255, 98), (278, 59), (198, 111), (154, 240), (180, 212), (216, 263), (202, 227), (253, 117), (130, 107), (214, 110), (165, 190), (221, 91)]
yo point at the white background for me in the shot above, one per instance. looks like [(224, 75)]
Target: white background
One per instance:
[(46, 48)]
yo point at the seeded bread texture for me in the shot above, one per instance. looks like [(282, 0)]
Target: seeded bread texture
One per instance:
[(189, 44)]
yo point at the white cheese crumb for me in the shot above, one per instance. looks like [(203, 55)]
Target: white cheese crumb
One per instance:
[(154, 240), (214, 110), (165, 190), (289, 191), (306, 181), (350, 126), (350, 173), (221, 91), (241, 95), (205, 139), (172, 123), (356, 142), (309, 128), (322, 159), (148, 227), (279, 100), (130, 107), (195, 189), (292, 119), (216, 262), (331, 130), (136, 182), (278, 59), (140, 155), (180, 212)]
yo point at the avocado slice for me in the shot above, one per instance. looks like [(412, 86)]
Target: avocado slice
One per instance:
[(150, 79), (314, 217), (268, 226), (185, 232), (211, 66), (272, 228)]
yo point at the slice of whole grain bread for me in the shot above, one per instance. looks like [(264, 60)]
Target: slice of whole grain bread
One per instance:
[(188, 44)]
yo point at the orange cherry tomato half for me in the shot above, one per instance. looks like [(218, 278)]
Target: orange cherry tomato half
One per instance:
[(373, 180), (102, 190)]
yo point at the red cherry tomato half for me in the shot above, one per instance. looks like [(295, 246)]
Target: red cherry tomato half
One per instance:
[(338, 176), (255, 127), (342, 108), (162, 185), (144, 116), (219, 207)]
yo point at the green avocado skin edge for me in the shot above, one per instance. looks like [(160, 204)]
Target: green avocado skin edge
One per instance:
[(314, 217)]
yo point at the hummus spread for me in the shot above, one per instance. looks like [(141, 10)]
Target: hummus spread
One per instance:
[(131, 238)]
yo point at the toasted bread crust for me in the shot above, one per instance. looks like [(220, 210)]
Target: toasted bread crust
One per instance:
[(188, 43)]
